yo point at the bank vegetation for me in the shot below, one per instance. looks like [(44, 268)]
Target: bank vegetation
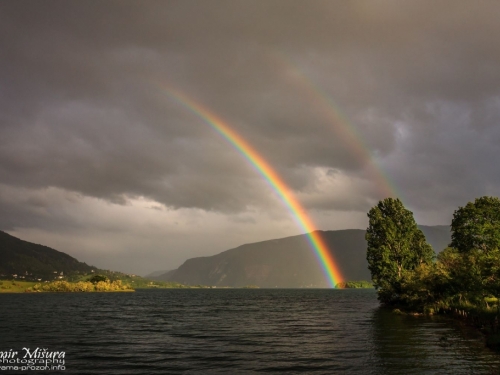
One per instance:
[(462, 281)]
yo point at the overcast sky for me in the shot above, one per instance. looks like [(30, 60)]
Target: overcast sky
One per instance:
[(97, 160)]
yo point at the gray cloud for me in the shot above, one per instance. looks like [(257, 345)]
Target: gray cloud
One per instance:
[(84, 108)]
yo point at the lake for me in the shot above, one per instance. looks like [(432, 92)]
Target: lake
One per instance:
[(237, 331)]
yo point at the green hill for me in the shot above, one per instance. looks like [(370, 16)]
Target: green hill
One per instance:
[(26, 261), (32, 261)]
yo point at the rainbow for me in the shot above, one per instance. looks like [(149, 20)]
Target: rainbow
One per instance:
[(342, 127), (328, 265)]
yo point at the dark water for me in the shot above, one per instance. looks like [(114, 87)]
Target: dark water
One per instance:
[(237, 331)]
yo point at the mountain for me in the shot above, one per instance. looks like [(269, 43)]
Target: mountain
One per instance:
[(154, 275), (33, 261), (287, 262), (438, 236)]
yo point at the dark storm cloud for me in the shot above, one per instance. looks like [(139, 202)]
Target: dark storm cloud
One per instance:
[(82, 106)]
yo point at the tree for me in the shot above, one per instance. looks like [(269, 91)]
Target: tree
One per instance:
[(477, 226), (395, 247), (476, 237), (98, 278)]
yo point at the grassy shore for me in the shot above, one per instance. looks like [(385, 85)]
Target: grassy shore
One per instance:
[(83, 285), (11, 286), (14, 286)]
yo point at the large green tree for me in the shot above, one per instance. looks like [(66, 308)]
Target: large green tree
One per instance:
[(476, 237), (396, 246), (477, 226)]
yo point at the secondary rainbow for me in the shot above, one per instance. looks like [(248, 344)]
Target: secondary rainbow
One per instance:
[(325, 258), (341, 125)]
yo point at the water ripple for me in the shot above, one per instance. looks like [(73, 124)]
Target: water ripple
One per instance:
[(239, 332)]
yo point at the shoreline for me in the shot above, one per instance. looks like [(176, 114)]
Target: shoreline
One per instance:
[(491, 338)]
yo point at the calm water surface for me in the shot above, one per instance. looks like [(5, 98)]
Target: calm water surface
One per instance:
[(238, 331)]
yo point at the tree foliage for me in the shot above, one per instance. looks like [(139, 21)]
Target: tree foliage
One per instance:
[(98, 278), (82, 286), (362, 284), (477, 226), (465, 279), (395, 247)]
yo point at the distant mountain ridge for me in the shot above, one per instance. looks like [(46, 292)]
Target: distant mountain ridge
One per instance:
[(155, 274), (288, 262), (285, 262)]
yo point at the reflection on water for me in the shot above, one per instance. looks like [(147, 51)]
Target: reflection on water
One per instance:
[(238, 331)]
